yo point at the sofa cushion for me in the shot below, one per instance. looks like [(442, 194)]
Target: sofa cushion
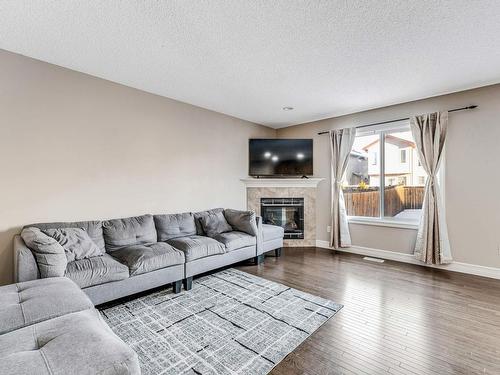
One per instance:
[(49, 254), (272, 232), (174, 225), (236, 240), (78, 343), (96, 270), (243, 221), (195, 247), (120, 233), (30, 302), (93, 229), (214, 224), (76, 243), (149, 257), (199, 215)]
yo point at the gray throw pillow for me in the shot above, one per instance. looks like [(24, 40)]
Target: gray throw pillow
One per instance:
[(200, 214), (76, 243), (243, 221), (49, 254), (214, 224)]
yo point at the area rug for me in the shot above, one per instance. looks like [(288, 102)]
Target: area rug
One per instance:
[(231, 322)]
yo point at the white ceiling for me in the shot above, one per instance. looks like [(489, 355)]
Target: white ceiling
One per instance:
[(250, 58)]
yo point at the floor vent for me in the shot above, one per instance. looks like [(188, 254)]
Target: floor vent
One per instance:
[(376, 260)]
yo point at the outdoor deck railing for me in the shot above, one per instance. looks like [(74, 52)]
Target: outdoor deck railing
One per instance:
[(365, 202)]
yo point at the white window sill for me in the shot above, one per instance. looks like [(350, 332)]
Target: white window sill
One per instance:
[(383, 222)]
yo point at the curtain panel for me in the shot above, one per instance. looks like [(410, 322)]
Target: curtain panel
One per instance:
[(432, 244), (341, 141)]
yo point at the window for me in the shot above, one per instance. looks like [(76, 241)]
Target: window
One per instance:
[(392, 188), (403, 156), (362, 180)]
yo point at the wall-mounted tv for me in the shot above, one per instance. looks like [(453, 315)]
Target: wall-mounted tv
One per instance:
[(280, 157)]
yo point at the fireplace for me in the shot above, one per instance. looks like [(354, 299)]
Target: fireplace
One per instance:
[(284, 212)]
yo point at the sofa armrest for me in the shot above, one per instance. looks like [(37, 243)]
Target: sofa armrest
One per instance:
[(25, 266)]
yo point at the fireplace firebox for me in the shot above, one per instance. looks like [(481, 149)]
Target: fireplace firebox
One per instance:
[(284, 212)]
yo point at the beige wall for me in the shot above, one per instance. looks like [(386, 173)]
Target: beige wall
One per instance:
[(472, 175), (75, 147)]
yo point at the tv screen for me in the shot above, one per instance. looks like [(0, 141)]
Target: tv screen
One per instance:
[(281, 157)]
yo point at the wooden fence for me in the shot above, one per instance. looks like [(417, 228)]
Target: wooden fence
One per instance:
[(365, 202), (362, 202)]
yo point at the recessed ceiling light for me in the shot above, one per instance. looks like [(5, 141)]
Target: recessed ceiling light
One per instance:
[(274, 158), (300, 156), (267, 154), (287, 108)]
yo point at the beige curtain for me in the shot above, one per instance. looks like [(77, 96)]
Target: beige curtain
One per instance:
[(432, 245), (341, 142)]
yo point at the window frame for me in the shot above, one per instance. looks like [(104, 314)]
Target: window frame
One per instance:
[(384, 221)]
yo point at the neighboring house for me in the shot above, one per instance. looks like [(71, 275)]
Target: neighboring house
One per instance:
[(401, 162), (357, 168)]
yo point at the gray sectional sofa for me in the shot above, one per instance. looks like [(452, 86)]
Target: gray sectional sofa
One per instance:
[(143, 252), (48, 323)]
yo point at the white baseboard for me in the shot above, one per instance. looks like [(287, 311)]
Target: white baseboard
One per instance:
[(472, 269)]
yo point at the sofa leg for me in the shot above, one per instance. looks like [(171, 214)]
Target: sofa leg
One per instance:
[(188, 283), (176, 286), (258, 259), (277, 252)]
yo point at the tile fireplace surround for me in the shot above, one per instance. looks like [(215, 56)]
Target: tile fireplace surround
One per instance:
[(258, 188)]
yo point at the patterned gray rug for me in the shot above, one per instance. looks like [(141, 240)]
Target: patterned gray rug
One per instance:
[(231, 322)]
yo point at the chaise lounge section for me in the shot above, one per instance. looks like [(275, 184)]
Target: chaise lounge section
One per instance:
[(49, 326)]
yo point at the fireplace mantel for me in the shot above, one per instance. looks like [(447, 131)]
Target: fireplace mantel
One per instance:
[(311, 182)]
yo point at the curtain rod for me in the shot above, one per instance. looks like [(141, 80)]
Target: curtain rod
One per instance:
[(402, 119)]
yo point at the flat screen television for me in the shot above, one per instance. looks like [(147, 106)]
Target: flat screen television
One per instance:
[(280, 157)]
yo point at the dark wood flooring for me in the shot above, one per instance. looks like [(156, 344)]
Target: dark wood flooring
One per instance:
[(397, 318)]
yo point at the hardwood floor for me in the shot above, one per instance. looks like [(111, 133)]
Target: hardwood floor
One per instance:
[(397, 318)]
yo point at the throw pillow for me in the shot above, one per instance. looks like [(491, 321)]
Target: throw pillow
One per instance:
[(49, 253), (243, 221), (199, 215), (214, 224), (76, 243)]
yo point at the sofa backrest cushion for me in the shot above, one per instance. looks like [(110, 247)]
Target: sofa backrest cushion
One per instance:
[(199, 215), (76, 243), (137, 230), (49, 254), (172, 226), (243, 221), (214, 224), (93, 229)]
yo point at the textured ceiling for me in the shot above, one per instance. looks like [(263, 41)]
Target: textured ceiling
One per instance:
[(250, 58)]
